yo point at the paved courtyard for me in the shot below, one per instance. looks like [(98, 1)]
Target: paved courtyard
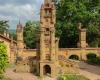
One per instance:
[(89, 71), (24, 76)]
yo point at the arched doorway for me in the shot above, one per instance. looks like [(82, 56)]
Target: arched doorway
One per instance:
[(74, 57), (47, 70)]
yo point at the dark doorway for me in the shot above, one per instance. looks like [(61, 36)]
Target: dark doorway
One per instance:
[(47, 70), (74, 57)]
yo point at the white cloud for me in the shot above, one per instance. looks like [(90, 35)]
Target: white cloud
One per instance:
[(13, 12)]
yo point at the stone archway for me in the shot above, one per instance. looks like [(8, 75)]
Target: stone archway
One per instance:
[(74, 57), (47, 70)]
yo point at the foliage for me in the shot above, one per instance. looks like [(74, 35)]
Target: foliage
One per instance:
[(91, 56), (13, 35), (72, 77), (98, 60), (93, 59), (3, 58), (31, 34), (70, 13), (3, 26)]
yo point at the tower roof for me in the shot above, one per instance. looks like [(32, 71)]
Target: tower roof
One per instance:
[(19, 25)]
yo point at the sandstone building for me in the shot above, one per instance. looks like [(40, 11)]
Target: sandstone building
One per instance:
[(48, 57)]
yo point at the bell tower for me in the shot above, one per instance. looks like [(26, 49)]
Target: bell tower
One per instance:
[(20, 42), (48, 56)]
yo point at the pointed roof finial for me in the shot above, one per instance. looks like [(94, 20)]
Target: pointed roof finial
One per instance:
[(19, 24), (19, 21)]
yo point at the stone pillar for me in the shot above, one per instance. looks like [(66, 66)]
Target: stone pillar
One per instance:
[(42, 12), (82, 37), (54, 15), (57, 48), (41, 71), (52, 44), (82, 41), (42, 45)]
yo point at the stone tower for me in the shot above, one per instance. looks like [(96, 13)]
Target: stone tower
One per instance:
[(20, 42), (82, 36), (48, 56)]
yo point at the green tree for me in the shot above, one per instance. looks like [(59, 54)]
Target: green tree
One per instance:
[(31, 34), (70, 13), (3, 26), (13, 35), (3, 58)]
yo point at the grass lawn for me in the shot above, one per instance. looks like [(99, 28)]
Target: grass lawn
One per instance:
[(72, 77)]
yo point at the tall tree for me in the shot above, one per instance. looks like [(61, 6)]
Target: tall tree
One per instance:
[(70, 13), (31, 34), (3, 26)]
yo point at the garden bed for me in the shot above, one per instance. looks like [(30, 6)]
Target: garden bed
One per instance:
[(72, 77)]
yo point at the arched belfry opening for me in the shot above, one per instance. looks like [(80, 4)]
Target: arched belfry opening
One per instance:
[(47, 70)]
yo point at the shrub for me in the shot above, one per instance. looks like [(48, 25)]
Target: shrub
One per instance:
[(93, 59), (91, 56), (98, 60), (3, 58)]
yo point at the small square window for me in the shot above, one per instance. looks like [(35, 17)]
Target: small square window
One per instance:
[(47, 29)]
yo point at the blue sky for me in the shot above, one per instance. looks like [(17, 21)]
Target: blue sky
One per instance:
[(23, 10)]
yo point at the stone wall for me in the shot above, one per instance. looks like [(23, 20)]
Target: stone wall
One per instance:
[(29, 53), (80, 52)]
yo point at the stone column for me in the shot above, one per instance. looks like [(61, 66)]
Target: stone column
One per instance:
[(42, 14), (54, 15), (82, 36), (57, 48), (42, 45), (52, 34), (53, 71), (41, 71)]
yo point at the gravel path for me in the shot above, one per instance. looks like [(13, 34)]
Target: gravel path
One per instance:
[(90, 71)]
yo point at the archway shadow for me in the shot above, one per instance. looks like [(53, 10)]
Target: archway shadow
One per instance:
[(47, 70)]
